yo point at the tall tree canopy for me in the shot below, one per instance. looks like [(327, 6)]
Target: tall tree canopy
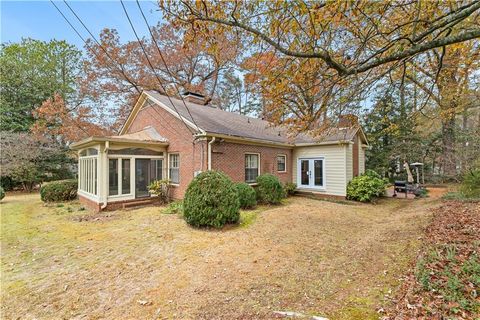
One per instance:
[(120, 71), (334, 45), (31, 72)]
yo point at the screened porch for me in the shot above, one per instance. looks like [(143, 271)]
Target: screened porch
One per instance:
[(120, 168)]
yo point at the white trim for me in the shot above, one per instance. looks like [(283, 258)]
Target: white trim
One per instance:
[(311, 185), (168, 168), (244, 165), (130, 156), (285, 156), (87, 195)]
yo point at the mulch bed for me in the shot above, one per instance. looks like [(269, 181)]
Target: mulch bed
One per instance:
[(449, 259)]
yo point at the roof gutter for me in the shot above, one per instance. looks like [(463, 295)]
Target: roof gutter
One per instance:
[(91, 140), (246, 140)]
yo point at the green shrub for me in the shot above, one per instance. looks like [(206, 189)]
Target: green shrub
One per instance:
[(2, 193), (160, 188), (373, 174), (269, 189), (366, 187), (470, 187), (246, 195), (62, 190), (175, 207), (212, 200), (289, 188)]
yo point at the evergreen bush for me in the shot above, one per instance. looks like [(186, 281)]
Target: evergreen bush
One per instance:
[(289, 188), (211, 200), (246, 195), (2, 193), (470, 187), (269, 189), (62, 190)]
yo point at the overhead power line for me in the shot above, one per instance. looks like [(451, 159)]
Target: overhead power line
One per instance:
[(106, 53), (163, 59), (153, 68)]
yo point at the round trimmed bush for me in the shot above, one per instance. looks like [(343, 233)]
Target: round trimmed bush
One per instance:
[(366, 188), (246, 195), (2, 193), (211, 200), (62, 190), (269, 189)]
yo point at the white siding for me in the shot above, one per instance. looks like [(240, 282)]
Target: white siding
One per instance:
[(361, 157), (349, 162), (334, 155)]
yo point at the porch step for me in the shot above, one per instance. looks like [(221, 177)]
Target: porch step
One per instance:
[(138, 203)]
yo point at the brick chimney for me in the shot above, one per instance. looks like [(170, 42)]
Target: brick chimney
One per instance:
[(347, 120), (194, 98)]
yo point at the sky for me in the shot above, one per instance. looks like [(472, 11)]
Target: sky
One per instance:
[(40, 20)]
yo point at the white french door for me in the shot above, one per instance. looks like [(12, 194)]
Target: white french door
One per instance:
[(311, 173)]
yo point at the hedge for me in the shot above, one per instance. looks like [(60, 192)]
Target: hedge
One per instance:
[(246, 195), (62, 190), (269, 189)]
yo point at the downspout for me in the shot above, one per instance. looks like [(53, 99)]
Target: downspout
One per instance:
[(210, 153), (104, 189)]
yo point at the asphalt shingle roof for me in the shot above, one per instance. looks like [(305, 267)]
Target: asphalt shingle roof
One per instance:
[(215, 120)]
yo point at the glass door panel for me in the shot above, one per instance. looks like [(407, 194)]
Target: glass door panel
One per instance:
[(305, 172), (142, 171), (318, 172)]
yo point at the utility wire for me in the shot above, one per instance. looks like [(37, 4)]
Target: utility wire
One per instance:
[(106, 52), (99, 44), (163, 60), (151, 65)]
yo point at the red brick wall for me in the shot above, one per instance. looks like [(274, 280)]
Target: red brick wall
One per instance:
[(180, 141), (229, 157), (90, 204)]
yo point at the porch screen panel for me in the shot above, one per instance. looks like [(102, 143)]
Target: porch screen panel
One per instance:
[(87, 174), (112, 177), (125, 176)]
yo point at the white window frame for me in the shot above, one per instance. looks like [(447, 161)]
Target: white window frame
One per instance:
[(311, 185), (284, 157), (89, 173), (132, 158), (245, 165), (169, 167)]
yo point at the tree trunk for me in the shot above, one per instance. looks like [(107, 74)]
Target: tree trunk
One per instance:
[(448, 147)]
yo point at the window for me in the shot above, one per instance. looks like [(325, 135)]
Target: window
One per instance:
[(174, 167), (282, 163), (112, 177), (252, 168)]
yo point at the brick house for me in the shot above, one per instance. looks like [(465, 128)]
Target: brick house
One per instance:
[(163, 139)]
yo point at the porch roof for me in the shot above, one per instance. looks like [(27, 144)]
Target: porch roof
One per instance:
[(147, 136)]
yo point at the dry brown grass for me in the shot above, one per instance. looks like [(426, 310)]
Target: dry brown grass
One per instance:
[(309, 256)]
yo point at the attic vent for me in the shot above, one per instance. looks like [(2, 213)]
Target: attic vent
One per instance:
[(194, 98)]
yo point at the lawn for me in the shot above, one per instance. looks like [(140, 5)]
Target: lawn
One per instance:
[(336, 260)]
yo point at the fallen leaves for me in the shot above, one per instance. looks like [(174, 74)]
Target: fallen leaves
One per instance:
[(445, 280)]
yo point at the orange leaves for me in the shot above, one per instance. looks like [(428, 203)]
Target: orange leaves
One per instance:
[(54, 118)]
